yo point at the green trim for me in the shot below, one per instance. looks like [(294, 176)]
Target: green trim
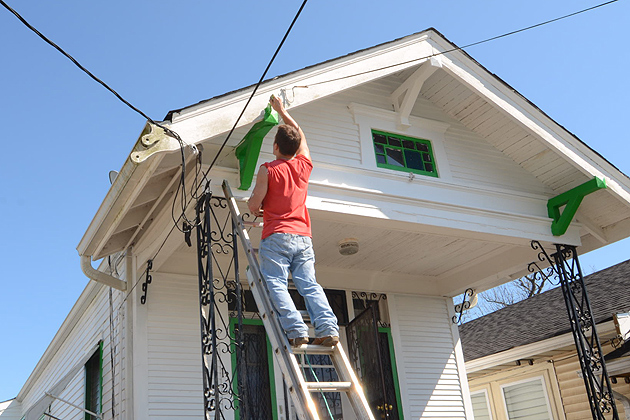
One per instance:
[(88, 390), (248, 149), (272, 378), (392, 356), (426, 154), (572, 200)]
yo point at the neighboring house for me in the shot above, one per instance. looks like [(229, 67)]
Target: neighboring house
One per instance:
[(441, 172), (525, 353)]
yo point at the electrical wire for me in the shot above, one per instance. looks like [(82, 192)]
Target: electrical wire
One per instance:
[(463, 47), (167, 130), (196, 183)]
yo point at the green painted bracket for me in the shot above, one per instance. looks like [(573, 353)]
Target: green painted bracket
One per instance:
[(248, 149), (572, 200)]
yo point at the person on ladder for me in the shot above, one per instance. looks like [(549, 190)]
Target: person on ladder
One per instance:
[(286, 246)]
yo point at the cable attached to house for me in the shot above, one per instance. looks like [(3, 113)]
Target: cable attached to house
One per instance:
[(463, 47)]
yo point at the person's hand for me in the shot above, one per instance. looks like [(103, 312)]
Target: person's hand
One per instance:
[(276, 104)]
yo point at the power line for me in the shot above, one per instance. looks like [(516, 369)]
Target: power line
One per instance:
[(194, 194), (465, 46), (69, 57)]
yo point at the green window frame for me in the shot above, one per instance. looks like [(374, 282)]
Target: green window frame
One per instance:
[(392, 358), (272, 380), (403, 153), (94, 383)]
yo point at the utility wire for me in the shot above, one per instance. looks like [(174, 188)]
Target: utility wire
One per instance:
[(69, 57), (465, 46), (194, 194), (257, 85)]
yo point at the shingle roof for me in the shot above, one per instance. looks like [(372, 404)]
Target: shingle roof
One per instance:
[(545, 315)]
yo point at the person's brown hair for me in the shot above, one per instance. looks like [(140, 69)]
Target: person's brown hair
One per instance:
[(288, 140)]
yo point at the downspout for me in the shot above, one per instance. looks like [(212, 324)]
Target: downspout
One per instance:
[(99, 276)]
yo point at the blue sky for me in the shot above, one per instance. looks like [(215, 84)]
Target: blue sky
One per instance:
[(62, 133)]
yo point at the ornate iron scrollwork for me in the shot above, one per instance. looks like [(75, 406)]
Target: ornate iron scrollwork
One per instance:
[(564, 265), (148, 278), (219, 391), (370, 298), (461, 307)]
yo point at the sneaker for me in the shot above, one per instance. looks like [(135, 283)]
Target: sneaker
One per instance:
[(297, 342), (329, 341)]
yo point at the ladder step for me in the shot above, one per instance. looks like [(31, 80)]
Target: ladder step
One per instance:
[(252, 224), (329, 386), (312, 349)]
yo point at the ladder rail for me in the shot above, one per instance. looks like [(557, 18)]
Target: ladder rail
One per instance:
[(285, 355), (297, 385)]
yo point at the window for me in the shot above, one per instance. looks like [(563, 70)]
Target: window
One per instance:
[(402, 153), (480, 406), (94, 383), (526, 400)]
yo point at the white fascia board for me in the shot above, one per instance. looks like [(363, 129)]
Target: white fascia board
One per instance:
[(203, 121), (529, 351), (449, 207), (126, 187), (463, 68)]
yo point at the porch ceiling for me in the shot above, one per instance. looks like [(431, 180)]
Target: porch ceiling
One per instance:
[(388, 259)]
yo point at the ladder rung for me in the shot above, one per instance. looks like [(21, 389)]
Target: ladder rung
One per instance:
[(329, 386), (252, 224), (312, 349)]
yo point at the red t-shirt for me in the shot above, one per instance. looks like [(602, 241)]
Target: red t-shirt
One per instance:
[(284, 209)]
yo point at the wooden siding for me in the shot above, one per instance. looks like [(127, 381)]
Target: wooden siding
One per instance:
[(574, 399), (334, 139), (425, 355), (10, 410), (93, 325), (174, 354)]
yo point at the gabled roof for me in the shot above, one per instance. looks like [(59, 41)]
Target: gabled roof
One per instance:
[(451, 80), (545, 316)]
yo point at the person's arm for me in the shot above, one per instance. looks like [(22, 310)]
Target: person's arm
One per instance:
[(276, 104), (259, 193)]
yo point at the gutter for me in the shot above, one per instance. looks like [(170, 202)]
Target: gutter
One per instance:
[(99, 276)]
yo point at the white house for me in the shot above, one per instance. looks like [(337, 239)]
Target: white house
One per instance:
[(439, 170)]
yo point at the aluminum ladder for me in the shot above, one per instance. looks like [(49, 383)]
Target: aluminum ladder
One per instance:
[(284, 354)]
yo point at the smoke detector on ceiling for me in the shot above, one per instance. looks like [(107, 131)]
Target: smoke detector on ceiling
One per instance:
[(348, 246)]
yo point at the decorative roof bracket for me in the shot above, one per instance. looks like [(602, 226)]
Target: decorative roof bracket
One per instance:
[(155, 139), (405, 96), (571, 200)]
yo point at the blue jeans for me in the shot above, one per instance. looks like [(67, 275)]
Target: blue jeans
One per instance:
[(281, 253)]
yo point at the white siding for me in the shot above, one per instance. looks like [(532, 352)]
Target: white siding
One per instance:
[(10, 410), (174, 354), (425, 355), (334, 138), (92, 326)]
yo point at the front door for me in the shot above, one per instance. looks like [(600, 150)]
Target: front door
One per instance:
[(369, 352)]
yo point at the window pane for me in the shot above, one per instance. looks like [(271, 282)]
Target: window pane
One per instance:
[(379, 138), (380, 159), (426, 157), (395, 157), (393, 141), (408, 144), (414, 160), (480, 406), (379, 148), (428, 167), (526, 401), (422, 147)]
